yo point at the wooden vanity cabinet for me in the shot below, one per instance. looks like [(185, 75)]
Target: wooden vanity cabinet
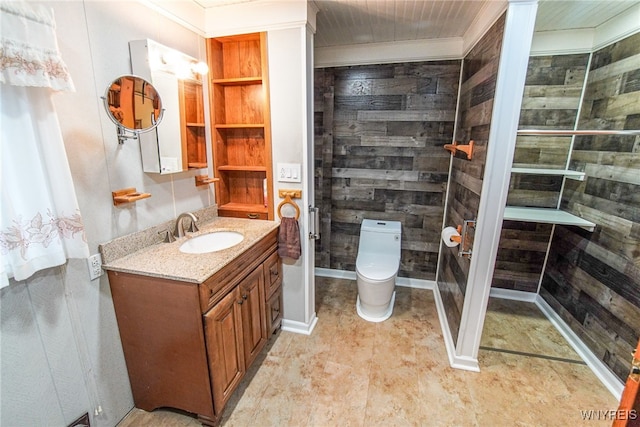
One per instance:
[(160, 324), (188, 345)]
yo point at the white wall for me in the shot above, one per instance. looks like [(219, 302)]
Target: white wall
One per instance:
[(286, 85), (61, 354), (290, 105)]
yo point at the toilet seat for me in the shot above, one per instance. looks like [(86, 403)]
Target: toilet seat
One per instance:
[(375, 267)]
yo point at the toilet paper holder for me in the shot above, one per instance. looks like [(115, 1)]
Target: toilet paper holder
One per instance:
[(464, 238)]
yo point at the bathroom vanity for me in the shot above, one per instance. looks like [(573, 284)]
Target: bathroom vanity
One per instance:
[(192, 324)]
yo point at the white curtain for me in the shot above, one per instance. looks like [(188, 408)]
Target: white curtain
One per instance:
[(40, 222)]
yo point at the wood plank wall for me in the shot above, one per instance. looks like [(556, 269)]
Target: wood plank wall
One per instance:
[(380, 131), (551, 100), (323, 156), (592, 280), (480, 69)]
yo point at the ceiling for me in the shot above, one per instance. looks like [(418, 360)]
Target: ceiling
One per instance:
[(350, 22)]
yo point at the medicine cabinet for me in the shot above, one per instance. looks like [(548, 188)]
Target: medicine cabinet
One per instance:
[(179, 144)]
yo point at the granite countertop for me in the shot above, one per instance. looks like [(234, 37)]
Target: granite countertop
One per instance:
[(166, 261)]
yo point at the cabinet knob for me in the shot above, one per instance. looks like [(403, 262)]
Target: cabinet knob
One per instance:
[(253, 216), (275, 273), (244, 296), (240, 302)]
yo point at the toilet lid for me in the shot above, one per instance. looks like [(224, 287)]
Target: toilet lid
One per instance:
[(377, 267)]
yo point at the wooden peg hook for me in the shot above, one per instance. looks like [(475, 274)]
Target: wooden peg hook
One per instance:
[(455, 147)]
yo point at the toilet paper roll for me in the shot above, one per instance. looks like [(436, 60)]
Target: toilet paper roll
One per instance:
[(447, 233)]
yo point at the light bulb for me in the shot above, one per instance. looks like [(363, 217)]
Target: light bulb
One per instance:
[(170, 57), (200, 68), (182, 70)]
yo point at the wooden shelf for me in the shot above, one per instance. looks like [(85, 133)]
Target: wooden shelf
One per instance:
[(244, 210), (546, 216), (244, 207), (197, 165), (202, 180), (239, 81), (242, 168), (127, 195), (239, 125), (195, 125), (579, 176)]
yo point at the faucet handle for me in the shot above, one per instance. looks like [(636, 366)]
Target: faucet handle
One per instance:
[(169, 237)]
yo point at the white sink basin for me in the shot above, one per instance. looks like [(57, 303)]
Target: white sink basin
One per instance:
[(211, 242)]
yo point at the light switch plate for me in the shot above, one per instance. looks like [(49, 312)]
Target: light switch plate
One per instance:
[(289, 172)]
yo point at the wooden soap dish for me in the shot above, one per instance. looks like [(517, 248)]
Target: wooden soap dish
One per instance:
[(127, 195)]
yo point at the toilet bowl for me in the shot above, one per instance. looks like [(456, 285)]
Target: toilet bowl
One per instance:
[(377, 266)]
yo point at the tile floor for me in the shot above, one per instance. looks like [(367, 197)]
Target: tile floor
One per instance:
[(350, 372)]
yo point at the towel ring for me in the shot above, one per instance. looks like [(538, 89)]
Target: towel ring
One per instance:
[(287, 200)]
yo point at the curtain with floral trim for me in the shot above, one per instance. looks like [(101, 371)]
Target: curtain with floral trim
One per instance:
[(40, 222)]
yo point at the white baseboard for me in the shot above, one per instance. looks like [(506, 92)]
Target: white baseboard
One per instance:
[(416, 283), (455, 361), (299, 327), (513, 295), (351, 275), (336, 274), (465, 363), (602, 371)]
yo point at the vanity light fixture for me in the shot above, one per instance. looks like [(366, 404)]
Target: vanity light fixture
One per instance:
[(163, 58), (200, 68)]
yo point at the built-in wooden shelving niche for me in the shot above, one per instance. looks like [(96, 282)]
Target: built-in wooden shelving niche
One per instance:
[(241, 121)]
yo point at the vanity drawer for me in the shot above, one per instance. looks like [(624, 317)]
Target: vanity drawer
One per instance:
[(217, 286), (274, 311), (240, 213), (272, 273)]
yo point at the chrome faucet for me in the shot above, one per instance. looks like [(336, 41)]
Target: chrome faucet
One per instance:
[(179, 230)]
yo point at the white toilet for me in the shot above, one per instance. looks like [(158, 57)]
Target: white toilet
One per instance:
[(376, 268)]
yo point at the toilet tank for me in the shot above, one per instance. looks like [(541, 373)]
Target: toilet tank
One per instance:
[(380, 237)]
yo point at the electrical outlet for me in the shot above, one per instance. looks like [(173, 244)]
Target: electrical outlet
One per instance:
[(95, 266)]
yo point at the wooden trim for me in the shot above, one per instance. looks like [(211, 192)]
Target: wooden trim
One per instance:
[(628, 414), (267, 124), (183, 130)]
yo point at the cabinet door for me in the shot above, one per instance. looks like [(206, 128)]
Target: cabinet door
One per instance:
[(253, 318), (223, 329)]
